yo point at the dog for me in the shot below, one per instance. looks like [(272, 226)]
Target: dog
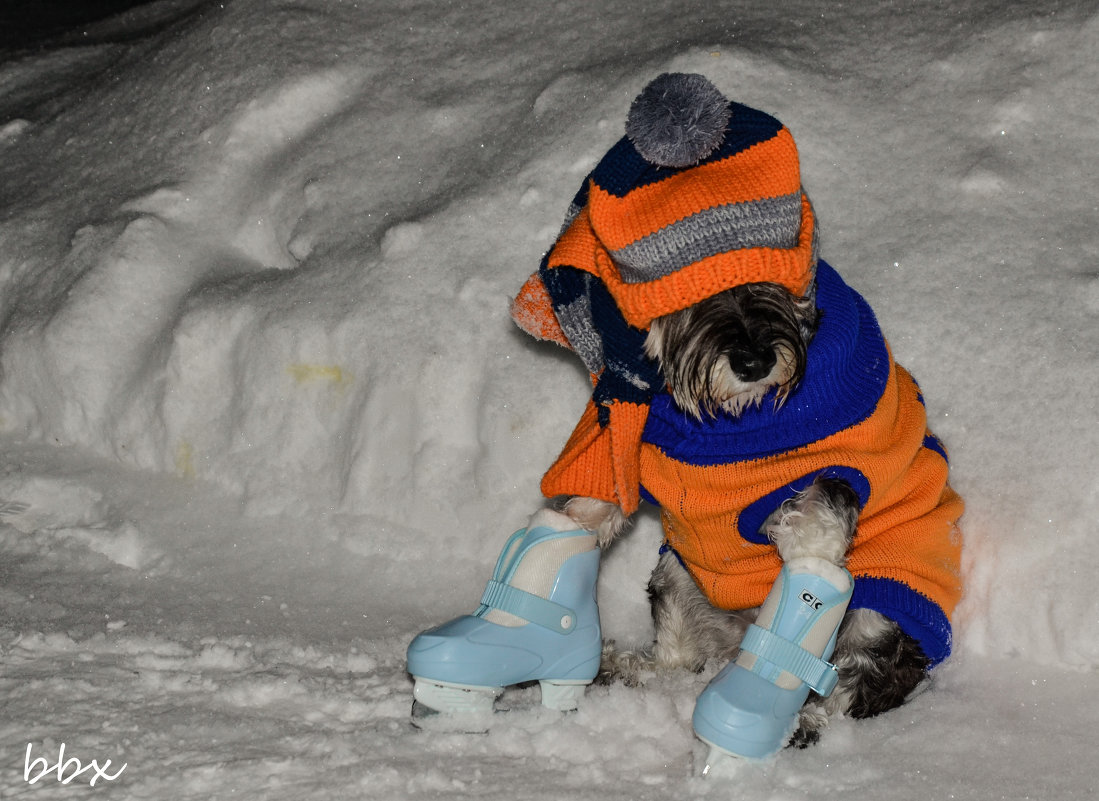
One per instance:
[(743, 387), (726, 354)]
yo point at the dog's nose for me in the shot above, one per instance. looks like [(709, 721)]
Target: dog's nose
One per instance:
[(751, 364)]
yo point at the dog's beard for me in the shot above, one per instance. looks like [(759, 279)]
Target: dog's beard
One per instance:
[(729, 351)]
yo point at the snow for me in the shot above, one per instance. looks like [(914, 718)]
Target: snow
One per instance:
[(264, 417)]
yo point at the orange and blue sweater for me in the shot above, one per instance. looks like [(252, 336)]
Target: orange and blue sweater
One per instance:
[(856, 415)]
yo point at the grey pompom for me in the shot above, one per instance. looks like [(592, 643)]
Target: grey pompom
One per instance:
[(677, 120)]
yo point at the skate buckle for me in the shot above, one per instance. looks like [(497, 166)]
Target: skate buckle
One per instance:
[(820, 674)]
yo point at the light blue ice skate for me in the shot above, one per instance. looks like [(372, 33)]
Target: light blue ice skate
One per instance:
[(750, 708), (538, 621)]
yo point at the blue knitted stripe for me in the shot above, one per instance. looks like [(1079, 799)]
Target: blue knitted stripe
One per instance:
[(579, 200), (623, 169), (767, 223), (847, 371), (666, 548), (933, 443), (917, 615), (564, 284)]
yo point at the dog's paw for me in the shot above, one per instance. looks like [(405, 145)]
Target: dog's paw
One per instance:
[(623, 666), (803, 738), (811, 721)]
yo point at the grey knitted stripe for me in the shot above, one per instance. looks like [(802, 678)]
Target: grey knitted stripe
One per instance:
[(576, 323), (771, 222)]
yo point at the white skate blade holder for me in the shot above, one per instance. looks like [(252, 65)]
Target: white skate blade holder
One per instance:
[(469, 702), (442, 708), (721, 764)]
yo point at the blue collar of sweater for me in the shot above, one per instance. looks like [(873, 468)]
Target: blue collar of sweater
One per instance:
[(848, 367)]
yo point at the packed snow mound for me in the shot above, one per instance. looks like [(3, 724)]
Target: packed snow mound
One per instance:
[(60, 513), (282, 264)]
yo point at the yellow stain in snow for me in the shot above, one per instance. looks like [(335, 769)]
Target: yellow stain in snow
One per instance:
[(185, 459), (328, 373)]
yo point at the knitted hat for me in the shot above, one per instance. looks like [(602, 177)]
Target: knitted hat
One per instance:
[(700, 195)]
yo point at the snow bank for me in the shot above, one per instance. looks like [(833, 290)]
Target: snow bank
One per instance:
[(294, 282)]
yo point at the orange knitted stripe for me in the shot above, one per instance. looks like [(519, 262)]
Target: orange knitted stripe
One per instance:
[(640, 303), (532, 310), (924, 551), (765, 170), (601, 462), (577, 245)]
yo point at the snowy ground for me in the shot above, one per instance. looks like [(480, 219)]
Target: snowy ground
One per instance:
[(263, 416)]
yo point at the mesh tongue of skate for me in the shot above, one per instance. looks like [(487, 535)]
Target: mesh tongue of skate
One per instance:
[(533, 566)]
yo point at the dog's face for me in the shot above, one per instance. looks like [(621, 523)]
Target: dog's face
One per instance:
[(728, 351)]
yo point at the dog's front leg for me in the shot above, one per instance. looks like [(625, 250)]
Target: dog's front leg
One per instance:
[(603, 519), (606, 521), (819, 521), (689, 630)]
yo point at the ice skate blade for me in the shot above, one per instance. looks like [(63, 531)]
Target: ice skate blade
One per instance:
[(425, 718), (452, 708), (438, 706), (719, 762), (722, 763)]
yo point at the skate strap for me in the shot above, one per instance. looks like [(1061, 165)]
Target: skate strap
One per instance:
[(534, 608), (820, 675)]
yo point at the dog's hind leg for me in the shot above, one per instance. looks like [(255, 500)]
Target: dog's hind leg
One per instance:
[(689, 630), (879, 668)]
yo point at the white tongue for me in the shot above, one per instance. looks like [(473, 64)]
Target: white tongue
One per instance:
[(817, 639), (537, 571)]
